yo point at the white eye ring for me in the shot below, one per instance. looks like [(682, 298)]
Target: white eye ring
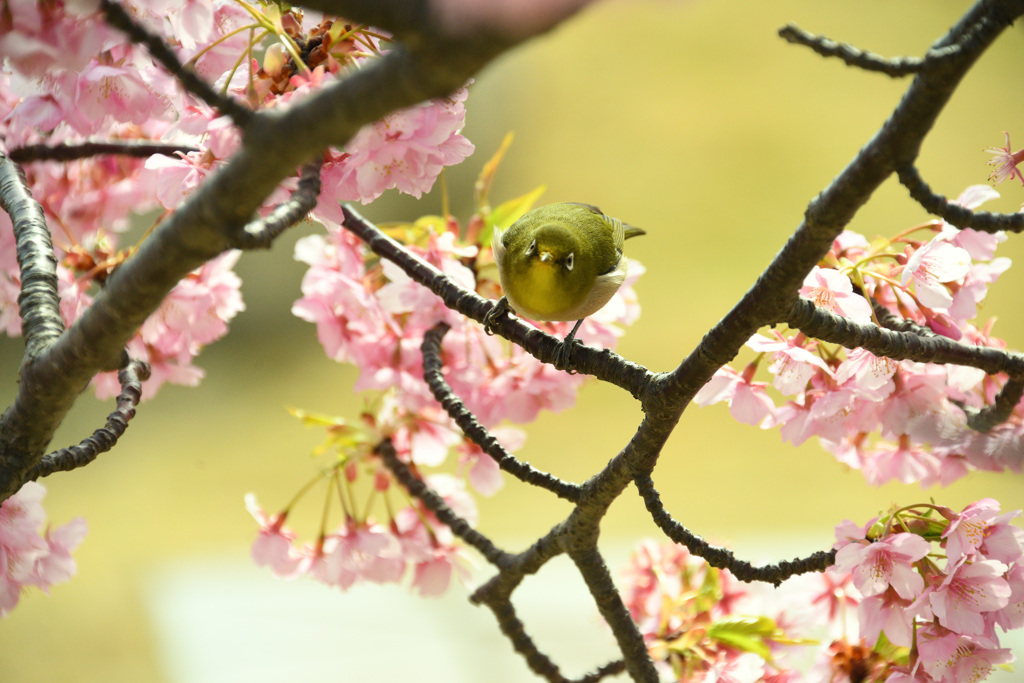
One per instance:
[(570, 260), (532, 248)]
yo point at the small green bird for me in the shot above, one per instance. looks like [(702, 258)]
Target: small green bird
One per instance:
[(559, 262)]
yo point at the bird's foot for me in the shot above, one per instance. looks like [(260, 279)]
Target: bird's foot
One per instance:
[(563, 354), (494, 316)]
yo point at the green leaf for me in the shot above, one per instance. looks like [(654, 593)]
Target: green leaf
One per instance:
[(507, 213), (415, 233), (745, 633), (317, 419)]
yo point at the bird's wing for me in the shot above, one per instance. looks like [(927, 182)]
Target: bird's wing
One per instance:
[(616, 225)]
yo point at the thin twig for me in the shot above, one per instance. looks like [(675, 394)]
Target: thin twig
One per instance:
[(103, 439), (953, 213), (459, 526), (816, 322), (261, 233), (895, 67), (723, 557), (1000, 410), (81, 150), (456, 409), (601, 363), (513, 628)]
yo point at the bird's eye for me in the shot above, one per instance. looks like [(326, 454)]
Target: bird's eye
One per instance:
[(532, 248), (570, 260)]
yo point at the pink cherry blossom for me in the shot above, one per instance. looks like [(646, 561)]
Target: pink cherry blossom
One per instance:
[(1012, 615), (832, 595), (870, 372), (792, 361), (748, 401), (831, 290), (933, 265), (904, 461), (273, 547), (406, 150), (1005, 162), (887, 613), (954, 658), (969, 590), (361, 552), (26, 557), (884, 563), (730, 667), (980, 528)]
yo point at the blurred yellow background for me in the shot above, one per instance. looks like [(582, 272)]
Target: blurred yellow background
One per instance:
[(690, 119)]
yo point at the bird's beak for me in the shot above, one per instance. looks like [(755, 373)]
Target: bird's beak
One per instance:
[(546, 256)]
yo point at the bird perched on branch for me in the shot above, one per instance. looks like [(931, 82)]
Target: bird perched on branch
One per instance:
[(559, 262)]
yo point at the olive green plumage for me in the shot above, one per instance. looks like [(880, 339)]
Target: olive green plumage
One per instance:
[(560, 262)]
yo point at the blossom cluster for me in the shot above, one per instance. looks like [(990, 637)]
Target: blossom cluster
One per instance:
[(68, 77), (360, 548), (914, 597), (699, 623), (932, 585), (893, 420), (27, 556)]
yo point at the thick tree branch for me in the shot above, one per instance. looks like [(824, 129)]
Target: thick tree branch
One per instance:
[(894, 146), (38, 301)]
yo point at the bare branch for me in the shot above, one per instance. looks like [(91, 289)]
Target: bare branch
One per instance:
[(723, 557), (953, 213), (456, 409), (104, 438), (631, 642), (82, 150), (1005, 401), (260, 234), (827, 326), (459, 526), (896, 67)]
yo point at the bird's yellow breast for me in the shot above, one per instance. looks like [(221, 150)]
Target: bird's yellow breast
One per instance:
[(538, 293)]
